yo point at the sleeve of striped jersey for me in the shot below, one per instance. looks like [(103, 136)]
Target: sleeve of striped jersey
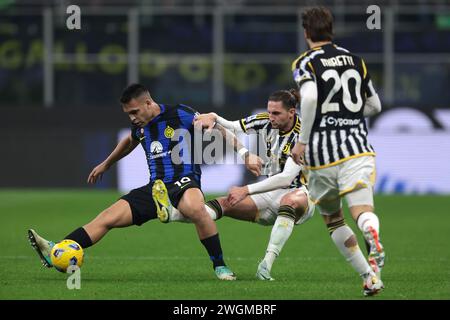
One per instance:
[(303, 70), (133, 133), (254, 122), (372, 106), (230, 125), (187, 115), (369, 90), (277, 181), (308, 93)]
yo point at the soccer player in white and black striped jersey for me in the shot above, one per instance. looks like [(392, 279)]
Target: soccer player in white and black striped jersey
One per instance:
[(282, 204), (336, 94)]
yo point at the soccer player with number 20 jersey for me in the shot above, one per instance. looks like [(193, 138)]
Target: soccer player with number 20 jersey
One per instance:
[(336, 94)]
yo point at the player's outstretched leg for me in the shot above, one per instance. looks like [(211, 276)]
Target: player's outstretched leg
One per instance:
[(117, 215), (42, 246)]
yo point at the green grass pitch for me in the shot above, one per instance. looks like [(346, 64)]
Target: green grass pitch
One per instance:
[(157, 261)]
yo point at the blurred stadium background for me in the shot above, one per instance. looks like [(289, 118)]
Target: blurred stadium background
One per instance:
[(59, 88)]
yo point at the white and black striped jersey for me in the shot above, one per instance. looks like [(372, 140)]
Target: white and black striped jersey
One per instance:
[(277, 144), (343, 84)]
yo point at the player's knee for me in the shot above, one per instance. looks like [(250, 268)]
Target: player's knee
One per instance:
[(332, 218), (196, 212), (297, 201)]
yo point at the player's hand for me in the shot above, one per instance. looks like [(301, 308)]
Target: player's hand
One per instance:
[(237, 194), (253, 163), (97, 173), (298, 153), (206, 121)]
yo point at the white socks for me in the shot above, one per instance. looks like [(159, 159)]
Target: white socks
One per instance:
[(281, 231), (176, 216), (345, 240), (368, 219), (212, 213)]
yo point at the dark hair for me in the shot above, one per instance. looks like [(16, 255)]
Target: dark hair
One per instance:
[(290, 98), (133, 91), (318, 23)]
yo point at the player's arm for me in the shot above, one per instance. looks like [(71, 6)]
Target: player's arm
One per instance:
[(123, 148), (209, 120), (308, 100), (372, 106), (373, 103), (250, 124), (277, 181), (252, 161), (305, 77)]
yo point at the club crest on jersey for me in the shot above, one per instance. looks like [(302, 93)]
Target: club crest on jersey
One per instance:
[(287, 148), (169, 132), (156, 147)]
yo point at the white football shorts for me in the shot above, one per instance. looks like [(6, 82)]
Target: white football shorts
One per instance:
[(268, 204), (353, 179)]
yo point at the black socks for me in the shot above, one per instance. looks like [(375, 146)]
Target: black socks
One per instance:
[(80, 235), (212, 245)]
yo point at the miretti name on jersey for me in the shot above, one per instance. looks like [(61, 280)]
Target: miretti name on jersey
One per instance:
[(343, 84), (157, 140), (277, 144)]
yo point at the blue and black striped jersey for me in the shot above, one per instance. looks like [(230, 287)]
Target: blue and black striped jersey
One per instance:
[(173, 127)]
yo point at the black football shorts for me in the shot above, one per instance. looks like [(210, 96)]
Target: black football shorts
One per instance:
[(141, 202)]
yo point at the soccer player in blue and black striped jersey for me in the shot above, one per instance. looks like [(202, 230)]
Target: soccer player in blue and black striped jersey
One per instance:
[(161, 130)]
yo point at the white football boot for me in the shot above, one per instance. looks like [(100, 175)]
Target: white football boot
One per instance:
[(376, 253), (42, 246), (263, 273), (372, 284)]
